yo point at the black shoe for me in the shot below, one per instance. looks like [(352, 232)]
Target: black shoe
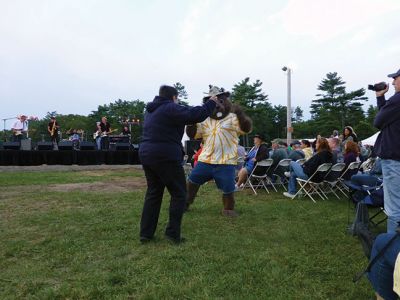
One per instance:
[(175, 241), (145, 240)]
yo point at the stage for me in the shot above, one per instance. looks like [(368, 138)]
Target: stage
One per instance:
[(68, 157)]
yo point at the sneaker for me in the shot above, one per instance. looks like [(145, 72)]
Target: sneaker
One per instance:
[(289, 195), (237, 188), (287, 174)]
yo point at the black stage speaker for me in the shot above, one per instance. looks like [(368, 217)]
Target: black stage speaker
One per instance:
[(11, 145), (65, 145), (122, 146), (45, 146), (87, 146), (26, 144)]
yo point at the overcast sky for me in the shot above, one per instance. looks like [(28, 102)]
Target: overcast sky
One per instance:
[(71, 56)]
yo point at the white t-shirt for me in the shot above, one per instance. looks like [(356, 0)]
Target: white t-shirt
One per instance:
[(18, 125)]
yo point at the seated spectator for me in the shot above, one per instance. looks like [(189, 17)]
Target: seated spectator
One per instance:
[(381, 272), (314, 143), (323, 155), (334, 143), (351, 154), (335, 134), (256, 154), (241, 155), (307, 150), (197, 154), (371, 178), (296, 153), (348, 135), (364, 153), (279, 152)]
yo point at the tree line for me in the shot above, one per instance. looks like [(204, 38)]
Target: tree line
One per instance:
[(333, 108)]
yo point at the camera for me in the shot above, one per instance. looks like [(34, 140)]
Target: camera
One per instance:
[(377, 87)]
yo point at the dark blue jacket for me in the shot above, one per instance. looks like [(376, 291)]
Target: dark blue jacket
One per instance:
[(387, 145), (163, 127)]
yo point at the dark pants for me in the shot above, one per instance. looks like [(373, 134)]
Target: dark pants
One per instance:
[(171, 176)]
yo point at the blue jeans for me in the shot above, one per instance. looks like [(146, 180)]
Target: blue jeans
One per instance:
[(391, 188), (296, 172), (365, 179), (381, 274), (224, 176), (98, 143)]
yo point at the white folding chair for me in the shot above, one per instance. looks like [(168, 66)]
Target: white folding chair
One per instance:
[(332, 178), (279, 179), (258, 177), (311, 186)]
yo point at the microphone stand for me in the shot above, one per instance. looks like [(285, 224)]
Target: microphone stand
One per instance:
[(4, 127)]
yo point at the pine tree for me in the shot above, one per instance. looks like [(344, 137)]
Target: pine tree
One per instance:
[(336, 108), (255, 104)]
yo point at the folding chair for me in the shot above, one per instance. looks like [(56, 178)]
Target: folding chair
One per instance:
[(341, 184), (332, 177), (279, 179), (301, 161), (258, 177), (368, 164), (372, 196), (312, 185)]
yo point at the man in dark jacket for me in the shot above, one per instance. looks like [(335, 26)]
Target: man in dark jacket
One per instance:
[(161, 154), (387, 147)]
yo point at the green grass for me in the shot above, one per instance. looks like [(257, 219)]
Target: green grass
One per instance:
[(84, 245), (44, 178)]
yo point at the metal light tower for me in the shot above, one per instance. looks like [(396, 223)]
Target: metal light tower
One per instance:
[(289, 128)]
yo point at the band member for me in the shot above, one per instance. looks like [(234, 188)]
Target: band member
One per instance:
[(20, 128), (125, 130), (74, 137), (53, 129), (103, 128)]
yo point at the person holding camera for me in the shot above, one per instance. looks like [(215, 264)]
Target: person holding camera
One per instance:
[(387, 147)]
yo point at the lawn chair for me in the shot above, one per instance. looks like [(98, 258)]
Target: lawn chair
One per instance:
[(341, 184), (372, 196), (281, 180), (312, 185), (258, 177), (332, 177)]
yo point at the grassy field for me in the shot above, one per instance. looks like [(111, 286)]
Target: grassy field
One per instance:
[(75, 235)]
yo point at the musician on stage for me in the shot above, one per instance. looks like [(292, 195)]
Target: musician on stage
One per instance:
[(103, 128), (125, 130), (53, 128), (20, 128)]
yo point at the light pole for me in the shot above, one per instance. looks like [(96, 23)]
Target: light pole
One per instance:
[(289, 128)]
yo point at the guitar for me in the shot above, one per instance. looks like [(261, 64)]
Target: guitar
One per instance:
[(102, 134), (18, 132)]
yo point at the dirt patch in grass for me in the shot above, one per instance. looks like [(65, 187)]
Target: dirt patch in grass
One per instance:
[(120, 185)]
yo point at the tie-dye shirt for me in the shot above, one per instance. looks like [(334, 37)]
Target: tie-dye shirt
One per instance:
[(220, 140)]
